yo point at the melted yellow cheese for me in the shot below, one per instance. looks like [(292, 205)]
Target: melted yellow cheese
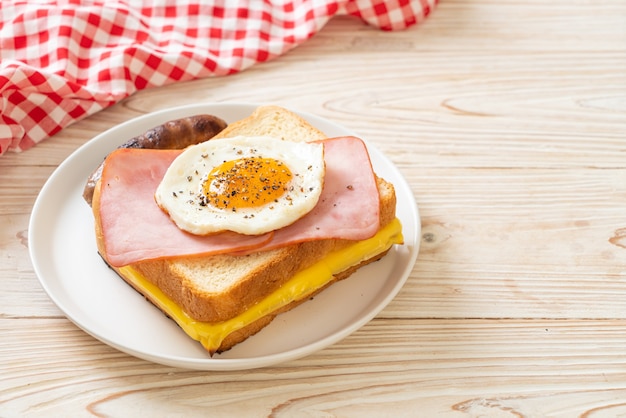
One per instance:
[(300, 286)]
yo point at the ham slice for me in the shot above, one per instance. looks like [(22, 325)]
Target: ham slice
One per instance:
[(134, 228), (349, 204)]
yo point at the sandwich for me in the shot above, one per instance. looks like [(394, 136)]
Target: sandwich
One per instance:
[(225, 235)]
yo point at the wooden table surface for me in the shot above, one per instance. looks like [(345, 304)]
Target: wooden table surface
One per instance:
[(508, 120)]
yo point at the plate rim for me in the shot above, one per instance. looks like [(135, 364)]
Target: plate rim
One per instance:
[(211, 363)]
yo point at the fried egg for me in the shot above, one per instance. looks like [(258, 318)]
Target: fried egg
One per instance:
[(249, 185)]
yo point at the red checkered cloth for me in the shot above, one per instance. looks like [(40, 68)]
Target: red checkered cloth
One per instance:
[(62, 60)]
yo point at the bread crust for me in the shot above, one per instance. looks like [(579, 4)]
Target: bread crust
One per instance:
[(249, 330)]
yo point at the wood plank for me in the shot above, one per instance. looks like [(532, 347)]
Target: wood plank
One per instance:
[(430, 367)]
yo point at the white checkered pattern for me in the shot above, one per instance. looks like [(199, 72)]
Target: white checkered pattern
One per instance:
[(62, 60)]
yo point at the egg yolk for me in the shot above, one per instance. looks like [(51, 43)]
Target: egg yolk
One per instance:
[(246, 183)]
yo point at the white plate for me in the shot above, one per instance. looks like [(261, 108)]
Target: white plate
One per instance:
[(64, 256)]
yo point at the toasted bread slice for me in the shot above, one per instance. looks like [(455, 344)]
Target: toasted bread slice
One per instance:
[(217, 288), (273, 121)]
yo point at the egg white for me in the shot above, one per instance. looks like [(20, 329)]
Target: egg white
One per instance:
[(180, 192)]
